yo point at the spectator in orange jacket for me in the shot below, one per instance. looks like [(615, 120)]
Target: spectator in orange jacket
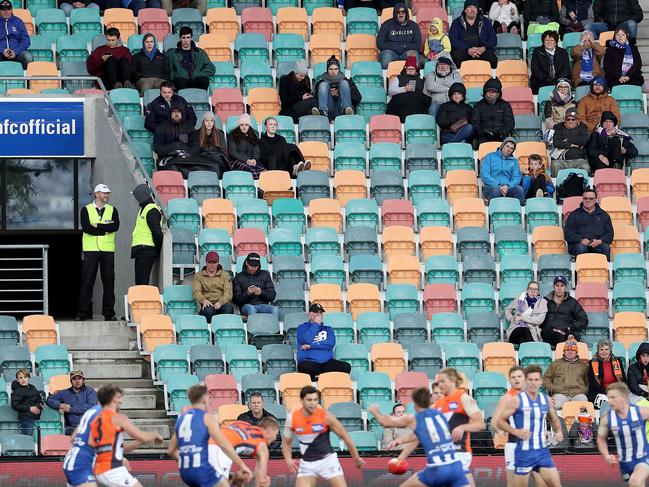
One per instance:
[(598, 101)]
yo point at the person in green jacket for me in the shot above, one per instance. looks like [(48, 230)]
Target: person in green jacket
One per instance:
[(190, 65)]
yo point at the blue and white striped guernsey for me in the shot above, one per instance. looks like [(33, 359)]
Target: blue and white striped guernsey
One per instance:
[(629, 434), (434, 435), (531, 415)]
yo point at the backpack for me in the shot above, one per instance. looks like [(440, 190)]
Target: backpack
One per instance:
[(573, 185)]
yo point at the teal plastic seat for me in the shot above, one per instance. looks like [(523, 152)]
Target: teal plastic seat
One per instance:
[(328, 269), (386, 185), (349, 155), (533, 41), (373, 387), (192, 329), (278, 359), (263, 329), (12, 68), (311, 5), (479, 268), (365, 441), (312, 185), (17, 445), (570, 40), (134, 43), (425, 357), (367, 74), (145, 153), (507, 293), (510, 240), (361, 213), (581, 91), (170, 41), (290, 298), (343, 326), (488, 387), (238, 185), (289, 213), (52, 360), (251, 46), (473, 96), (629, 267), (361, 20), (253, 213), (509, 46), (13, 358), (373, 327), (515, 267), (41, 48), (410, 328), (51, 23), (504, 212), (126, 101), (544, 96), (275, 5), (291, 321), (541, 212), (289, 268), (49, 423), (629, 296), (432, 212), (636, 125), (420, 129), (284, 242), (401, 298), (187, 17), (85, 22), (464, 357), (228, 330), (183, 213), (78, 68), (552, 265), (322, 241), (477, 297), (134, 125), (169, 360), (563, 174), (241, 359), (367, 269), (183, 249), (349, 414), (535, 353), (528, 128), (598, 329), (176, 392), (255, 74), (629, 98), (197, 98), (446, 328), (9, 334), (385, 156), (483, 328), (318, 71), (263, 261), (349, 128), (441, 269), (224, 76), (240, 5), (9, 420), (360, 240), (355, 354), (642, 159), (215, 239), (206, 360), (202, 185), (314, 128), (373, 102), (457, 155), (288, 47), (472, 241), (261, 383)]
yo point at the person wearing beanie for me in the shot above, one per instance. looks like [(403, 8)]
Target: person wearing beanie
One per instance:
[(609, 146), (438, 82), (398, 37), (569, 140), (588, 229), (622, 60), (638, 374), (174, 141), (492, 117), (190, 65), (253, 289), (586, 59), (567, 378), (550, 63), (473, 36), (147, 234), (14, 37), (212, 288), (564, 317), (501, 173), (149, 67), (407, 92), (211, 146), (335, 94), (561, 99), (243, 147), (158, 110), (295, 93), (596, 102), (453, 117)]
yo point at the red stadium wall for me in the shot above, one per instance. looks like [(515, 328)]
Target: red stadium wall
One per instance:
[(575, 470)]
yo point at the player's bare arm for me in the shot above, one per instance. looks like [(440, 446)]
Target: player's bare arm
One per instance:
[(476, 421), (261, 466), (337, 428), (287, 451), (389, 421), (215, 432), (509, 408), (134, 432), (407, 438), (172, 450), (602, 436), (408, 449)]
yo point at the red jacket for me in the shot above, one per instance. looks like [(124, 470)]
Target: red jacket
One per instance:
[(95, 63)]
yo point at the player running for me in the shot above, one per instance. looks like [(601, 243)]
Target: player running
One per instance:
[(529, 410), (107, 437), (627, 423), (79, 461), (311, 424), (189, 443), (444, 468), (247, 440)]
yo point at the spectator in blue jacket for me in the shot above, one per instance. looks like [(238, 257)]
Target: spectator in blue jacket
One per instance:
[(501, 173), (74, 401), (398, 37), (473, 36), (14, 39), (315, 346)]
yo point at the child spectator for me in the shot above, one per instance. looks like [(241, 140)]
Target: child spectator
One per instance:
[(437, 42), (536, 183), (505, 17), (26, 399)]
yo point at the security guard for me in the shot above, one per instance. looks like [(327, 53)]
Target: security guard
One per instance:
[(147, 234), (99, 222)]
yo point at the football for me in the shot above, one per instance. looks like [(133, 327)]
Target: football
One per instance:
[(398, 467)]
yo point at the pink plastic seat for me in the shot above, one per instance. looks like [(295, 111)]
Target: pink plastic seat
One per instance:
[(406, 382), (258, 19), (398, 212), (439, 298), (593, 296), (609, 182), (221, 389), (155, 21), (169, 185), (227, 102), (385, 128), (246, 240), (520, 98)]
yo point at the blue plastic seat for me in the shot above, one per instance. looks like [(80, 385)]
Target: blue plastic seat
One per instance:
[(343, 326), (385, 156), (312, 185), (433, 212), (457, 155), (361, 20), (9, 334), (255, 74), (420, 129), (263, 329), (278, 359), (169, 360), (251, 46), (52, 360), (373, 102), (241, 360), (253, 213), (314, 128), (464, 357), (420, 156), (192, 329), (477, 297), (366, 268), (401, 298), (350, 128), (228, 329), (541, 212), (288, 47), (178, 300), (326, 268), (447, 328), (425, 357), (483, 328), (349, 155), (322, 241), (284, 241), (183, 213), (478, 268), (187, 17), (504, 212), (629, 98), (373, 387), (238, 185), (510, 240), (488, 387), (355, 354), (514, 267), (215, 239)]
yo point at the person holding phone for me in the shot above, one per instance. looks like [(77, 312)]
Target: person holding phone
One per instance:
[(111, 62), (407, 91), (253, 289), (14, 37)]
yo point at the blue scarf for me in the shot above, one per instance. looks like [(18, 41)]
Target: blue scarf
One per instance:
[(587, 56), (154, 52), (627, 62)]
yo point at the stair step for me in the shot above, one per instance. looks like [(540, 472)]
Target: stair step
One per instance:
[(96, 343), (114, 355), (95, 328), (139, 398), (122, 383), (148, 414), (162, 426), (108, 369)]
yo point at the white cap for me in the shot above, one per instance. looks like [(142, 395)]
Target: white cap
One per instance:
[(102, 188)]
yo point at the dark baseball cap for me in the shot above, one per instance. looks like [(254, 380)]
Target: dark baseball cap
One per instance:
[(5, 5), (560, 279), (253, 259), (316, 308)]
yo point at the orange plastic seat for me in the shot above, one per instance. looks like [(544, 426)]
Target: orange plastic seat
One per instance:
[(39, 330), (360, 47), (323, 45), (406, 382), (527, 148), (42, 68), (58, 383), (591, 268), (571, 409), (363, 297), (217, 46), (395, 68), (593, 296), (469, 212), (435, 241), (512, 73), (609, 182), (630, 327), (24, 91), (318, 153), (330, 296), (548, 240), (246, 240), (582, 351), (169, 185), (440, 298), (227, 102), (475, 73), (487, 148), (385, 128), (292, 20), (258, 19), (640, 182), (626, 240), (55, 445), (348, 185), (155, 21), (642, 208), (221, 389), (263, 102), (26, 16), (461, 183), (143, 301), (498, 357), (619, 209), (122, 19), (328, 20), (222, 20), (388, 358), (156, 330), (325, 212), (398, 212), (570, 204), (520, 98), (335, 387), (289, 387), (404, 269), (398, 240), (605, 36), (219, 213), (275, 184), (228, 413)]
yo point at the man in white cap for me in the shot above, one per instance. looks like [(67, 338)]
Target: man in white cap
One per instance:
[(99, 223)]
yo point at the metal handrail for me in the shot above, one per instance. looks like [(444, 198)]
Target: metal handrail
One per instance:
[(45, 270)]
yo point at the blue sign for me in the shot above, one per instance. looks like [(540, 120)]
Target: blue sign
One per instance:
[(39, 128)]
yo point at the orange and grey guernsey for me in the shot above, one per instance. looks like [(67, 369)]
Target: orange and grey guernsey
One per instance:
[(108, 442), (312, 433), (513, 393), (453, 409), (244, 437)]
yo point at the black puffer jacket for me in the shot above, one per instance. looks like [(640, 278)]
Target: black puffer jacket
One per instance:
[(143, 67), (171, 137), (614, 12), (24, 397), (564, 138), (568, 316), (638, 373), (541, 8), (541, 72), (496, 118), (243, 280), (581, 224), (450, 112), (158, 111)]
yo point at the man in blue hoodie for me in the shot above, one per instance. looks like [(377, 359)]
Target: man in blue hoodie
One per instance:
[(398, 37), (74, 401), (501, 173), (14, 39), (473, 36), (315, 346)]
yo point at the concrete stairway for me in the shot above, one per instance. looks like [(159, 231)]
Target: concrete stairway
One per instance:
[(107, 352)]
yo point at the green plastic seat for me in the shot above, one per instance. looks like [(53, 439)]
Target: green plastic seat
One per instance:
[(504, 212), (349, 128), (349, 414), (373, 387), (365, 441), (290, 298), (261, 383), (253, 213), (441, 269), (629, 98), (479, 268), (263, 329), (202, 185), (289, 213), (318, 71), (373, 327), (192, 329), (288, 47), (373, 102), (361, 20), (291, 322), (169, 360), (215, 239), (355, 354), (528, 128), (457, 155), (360, 240), (514, 267), (533, 41), (126, 101), (629, 296), (176, 392), (425, 357), (420, 129), (464, 357), (410, 328), (421, 156), (170, 41), (570, 40), (263, 261), (385, 156), (328, 269), (9, 334), (13, 358), (51, 23), (275, 5), (134, 43), (472, 241), (483, 328), (289, 268), (367, 74), (361, 213), (41, 48), (278, 359), (510, 240), (322, 241), (343, 326), (4, 396), (349, 155), (228, 330), (541, 212), (255, 74), (636, 125), (206, 360), (238, 185), (312, 185), (197, 98), (284, 241), (311, 5), (224, 76), (401, 298), (598, 329), (535, 353), (145, 153), (241, 359), (446, 328), (386, 185), (17, 445), (508, 292), (552, 265), (629, 267), (134, 125), (433, 212), (477, 297), (187, 17), (509, 46), (642, 159), (488, 387), (52, 360), (183, 213), (12, 68), (367, 269), (314, 128), (251, 46), (86, 22)]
